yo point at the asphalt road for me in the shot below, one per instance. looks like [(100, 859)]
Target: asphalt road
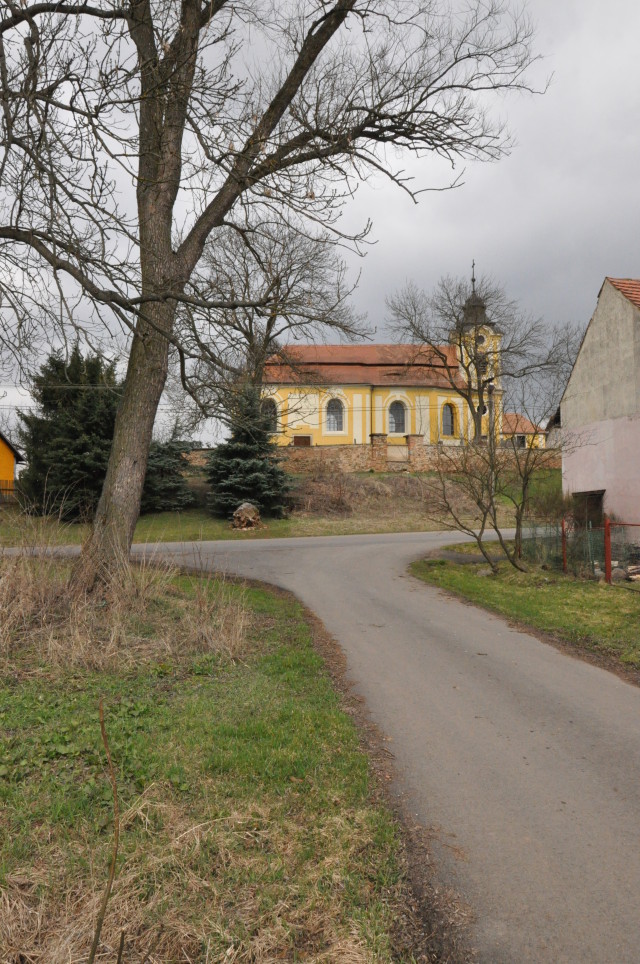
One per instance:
[(523, 760)]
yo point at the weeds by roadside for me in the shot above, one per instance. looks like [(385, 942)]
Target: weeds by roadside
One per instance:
[(247, 831), (143, 614)]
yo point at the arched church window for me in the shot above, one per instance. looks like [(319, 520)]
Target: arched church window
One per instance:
[(396, 418), (269, 410), (335, 415), (447, 420)]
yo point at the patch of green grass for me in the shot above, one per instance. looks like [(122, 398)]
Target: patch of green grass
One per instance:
[(545, 482), (591, 615), (248, 829), (194, 525)]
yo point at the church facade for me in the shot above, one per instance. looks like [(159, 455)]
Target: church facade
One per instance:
[(345, 394)]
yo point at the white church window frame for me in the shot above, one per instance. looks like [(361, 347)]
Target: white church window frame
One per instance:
[(335, 416), (397, 427), (448, 413)]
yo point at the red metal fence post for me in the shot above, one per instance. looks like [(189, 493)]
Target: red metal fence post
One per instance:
[(607, 549), (564, 546)]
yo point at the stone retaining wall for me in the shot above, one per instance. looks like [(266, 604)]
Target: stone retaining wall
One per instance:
[(344, 458), (359, 458)]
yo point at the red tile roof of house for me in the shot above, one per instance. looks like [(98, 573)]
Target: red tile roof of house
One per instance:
[(630, 288), (515, 424), (378, 365)]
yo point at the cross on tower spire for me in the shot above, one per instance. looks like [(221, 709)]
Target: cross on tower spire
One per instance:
[(473, 276)]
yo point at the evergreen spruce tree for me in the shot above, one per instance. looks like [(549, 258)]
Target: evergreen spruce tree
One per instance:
[(245, 468), (66, 441), (165, 487)]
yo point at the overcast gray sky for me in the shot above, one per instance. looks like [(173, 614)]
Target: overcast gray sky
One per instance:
[(550, 221), (559, 214)]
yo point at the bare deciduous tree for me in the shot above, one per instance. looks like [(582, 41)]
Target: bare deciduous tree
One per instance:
[(459, 315), (461, 496), (291, 286), (134, 130), (476, 485), (530, 403)]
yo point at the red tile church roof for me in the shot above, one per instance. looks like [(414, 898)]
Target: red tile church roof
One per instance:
[(377, 365)]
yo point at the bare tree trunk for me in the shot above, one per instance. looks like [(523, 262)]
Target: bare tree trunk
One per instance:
[(119, 506), (512, 556), (477, 421)]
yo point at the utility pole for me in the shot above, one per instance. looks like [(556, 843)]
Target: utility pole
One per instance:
[(492, 437)]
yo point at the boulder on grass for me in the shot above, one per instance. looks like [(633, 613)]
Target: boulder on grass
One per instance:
[(246, 516)]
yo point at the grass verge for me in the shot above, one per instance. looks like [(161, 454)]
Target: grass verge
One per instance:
[(594, 617), (195, 525), (248, 827)]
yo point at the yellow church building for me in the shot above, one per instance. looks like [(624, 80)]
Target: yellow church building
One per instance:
[(329, 395), (344, 394), (394, 396)]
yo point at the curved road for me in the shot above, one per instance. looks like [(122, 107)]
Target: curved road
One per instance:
[(523, 760)]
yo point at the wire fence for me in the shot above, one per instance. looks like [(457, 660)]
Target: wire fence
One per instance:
[(610, 551)]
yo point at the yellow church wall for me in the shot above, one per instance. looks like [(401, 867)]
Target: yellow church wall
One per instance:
[(7, 463), (303, 411)]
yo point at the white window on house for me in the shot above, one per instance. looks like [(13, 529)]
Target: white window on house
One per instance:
[(396, 418), (269, 410), (521, 441), (447, 420), (335, 415)]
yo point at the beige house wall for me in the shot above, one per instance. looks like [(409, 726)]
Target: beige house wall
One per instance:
[(605, 381), (601, 409)]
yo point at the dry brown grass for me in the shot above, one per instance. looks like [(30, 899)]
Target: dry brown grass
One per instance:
[(139, 616), (171, 895), (331, 492), (331, 502), (224, 855)]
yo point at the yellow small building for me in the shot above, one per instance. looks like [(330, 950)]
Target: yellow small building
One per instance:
[(344, 394), (9, 458), (520, 432)]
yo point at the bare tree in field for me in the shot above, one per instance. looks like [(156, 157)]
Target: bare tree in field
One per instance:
[(459, 314), (133, 131), (460, 496), (528, 406), (291, 286), (480, 489)]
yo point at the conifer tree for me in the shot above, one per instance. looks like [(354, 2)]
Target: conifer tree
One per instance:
[(245, 467), (66, 441), (165, 486)]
